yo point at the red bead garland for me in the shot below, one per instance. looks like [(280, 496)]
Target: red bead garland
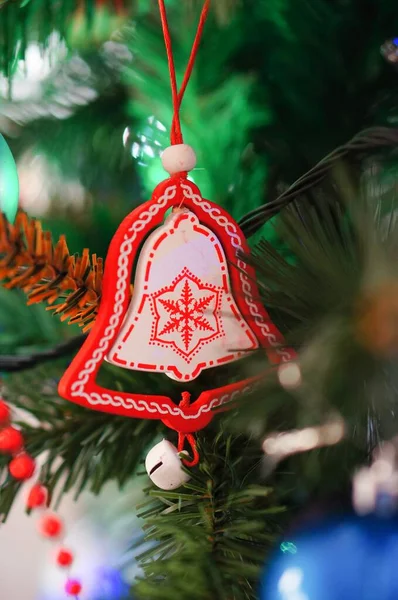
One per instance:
[(64, 558), (73, 587), (4, 412), (51, 526), (11, 440), (22, 466), (37, 497)]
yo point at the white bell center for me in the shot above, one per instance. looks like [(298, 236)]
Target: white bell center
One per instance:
[(182, 317)]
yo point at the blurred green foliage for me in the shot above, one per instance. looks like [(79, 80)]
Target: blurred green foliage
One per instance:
[(278, 84)]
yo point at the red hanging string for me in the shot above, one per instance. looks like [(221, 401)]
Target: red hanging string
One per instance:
[(177, 96), (189, 437), (186, 396), (176, 138)]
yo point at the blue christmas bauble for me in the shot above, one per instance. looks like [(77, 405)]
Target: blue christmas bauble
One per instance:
[(346, 558), (110, 585), (9, 185)]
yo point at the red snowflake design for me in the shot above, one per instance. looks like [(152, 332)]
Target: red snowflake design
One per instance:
[(186, 314)]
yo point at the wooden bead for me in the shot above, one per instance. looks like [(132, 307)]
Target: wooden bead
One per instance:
[(22, 466), (51, 526), (178, 159), (64, 558), (73, 587), (4, 412), (11, 440), (37, 496)]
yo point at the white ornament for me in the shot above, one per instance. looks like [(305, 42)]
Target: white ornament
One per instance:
[(178, 159), (182, 317), (164, 467)]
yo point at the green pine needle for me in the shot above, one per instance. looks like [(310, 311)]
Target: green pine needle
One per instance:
[(210, 539)]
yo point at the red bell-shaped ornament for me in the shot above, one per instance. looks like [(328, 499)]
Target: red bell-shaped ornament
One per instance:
[(195, 306), (195, 303), (183, 317)]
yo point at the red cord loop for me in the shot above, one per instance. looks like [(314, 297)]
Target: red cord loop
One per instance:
[(186, 398), (176, 138), (177, 96), (182, 437)]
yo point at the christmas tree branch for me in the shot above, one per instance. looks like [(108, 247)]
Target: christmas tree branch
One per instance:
[(23, 21), (70, 285), (202, 543), (27, 361), (335, 299), (82, 449)]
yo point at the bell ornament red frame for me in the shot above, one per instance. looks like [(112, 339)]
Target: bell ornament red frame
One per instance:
[(78, 383)]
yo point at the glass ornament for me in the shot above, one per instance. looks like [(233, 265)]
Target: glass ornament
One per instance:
[(340, 558)]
